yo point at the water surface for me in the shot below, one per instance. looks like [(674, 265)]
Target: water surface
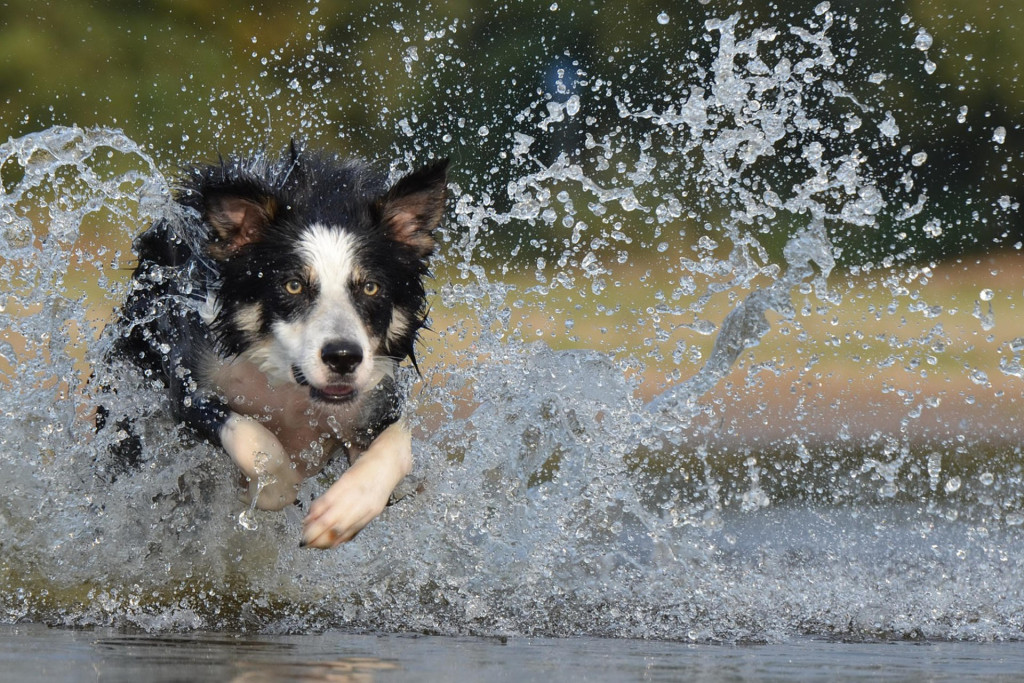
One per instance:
[(32, 652)]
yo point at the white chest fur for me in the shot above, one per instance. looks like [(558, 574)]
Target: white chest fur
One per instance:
[(284, 408)]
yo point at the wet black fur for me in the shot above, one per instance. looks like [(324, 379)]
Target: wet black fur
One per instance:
[(184, 258)]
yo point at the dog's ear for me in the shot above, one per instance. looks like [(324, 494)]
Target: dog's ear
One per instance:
[(414, 206), (237, 221)]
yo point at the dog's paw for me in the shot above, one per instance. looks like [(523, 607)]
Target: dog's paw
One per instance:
[(362, 492), (341, 513)]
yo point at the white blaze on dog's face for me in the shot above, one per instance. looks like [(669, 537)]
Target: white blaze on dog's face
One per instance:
[(329, 344), (321, 337)]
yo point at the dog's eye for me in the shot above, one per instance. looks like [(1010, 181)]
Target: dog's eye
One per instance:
[(371, 289), (293, 286)]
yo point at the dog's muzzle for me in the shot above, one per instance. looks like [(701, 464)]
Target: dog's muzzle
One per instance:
[(342, 359)]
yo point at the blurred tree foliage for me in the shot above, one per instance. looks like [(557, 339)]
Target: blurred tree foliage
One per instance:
[(395, 80)]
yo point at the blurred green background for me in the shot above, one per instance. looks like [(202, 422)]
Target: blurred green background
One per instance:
[(402, 82), (388, 80)]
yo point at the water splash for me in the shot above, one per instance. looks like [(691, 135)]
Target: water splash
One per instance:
[(561, 494)]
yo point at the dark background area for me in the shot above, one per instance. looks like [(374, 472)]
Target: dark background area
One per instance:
[(402, 81)]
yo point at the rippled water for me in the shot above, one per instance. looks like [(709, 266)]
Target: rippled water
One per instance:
[(36, 653), (565, 492)]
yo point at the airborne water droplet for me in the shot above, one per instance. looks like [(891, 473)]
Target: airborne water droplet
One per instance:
[(663, 18), (934, 469), (923, 40), (247, 520), (572, 105)]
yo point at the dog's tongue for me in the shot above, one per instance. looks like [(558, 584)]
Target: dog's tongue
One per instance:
[(338, 390)]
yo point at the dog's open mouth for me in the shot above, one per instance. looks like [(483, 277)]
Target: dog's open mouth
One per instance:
[(333, 393), (339, 392)]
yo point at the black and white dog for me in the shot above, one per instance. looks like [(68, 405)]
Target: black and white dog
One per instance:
[(276, 308)]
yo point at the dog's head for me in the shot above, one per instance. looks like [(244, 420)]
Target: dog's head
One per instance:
[(321, 265)]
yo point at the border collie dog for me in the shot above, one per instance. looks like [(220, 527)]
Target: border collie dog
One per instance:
[(276, 307)]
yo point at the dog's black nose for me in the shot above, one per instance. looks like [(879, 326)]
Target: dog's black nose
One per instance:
[(342, 357)]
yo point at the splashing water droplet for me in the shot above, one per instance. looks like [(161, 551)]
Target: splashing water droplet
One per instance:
[(934, 469), (572, 105), (247, 519), (923, 41), (999, 135), (663, 18)]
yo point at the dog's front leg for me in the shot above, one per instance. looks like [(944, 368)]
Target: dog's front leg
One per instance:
[(362, 492), (273, 479)]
